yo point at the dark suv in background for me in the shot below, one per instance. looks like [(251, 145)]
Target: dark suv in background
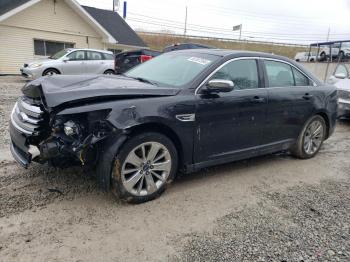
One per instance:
[(129, 59)]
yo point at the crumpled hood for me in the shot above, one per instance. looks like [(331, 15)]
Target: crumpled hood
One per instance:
[(62, 89)]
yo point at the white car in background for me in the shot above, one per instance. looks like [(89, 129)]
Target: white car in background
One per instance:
[(341, 79), (303, 57), (342, 51), (71, 62)]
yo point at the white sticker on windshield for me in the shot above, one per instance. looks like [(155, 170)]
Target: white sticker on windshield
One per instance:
[(199, 60)]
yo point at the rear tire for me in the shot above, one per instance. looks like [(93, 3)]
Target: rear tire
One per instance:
[(109, 72), (144, 167), (311, 138)]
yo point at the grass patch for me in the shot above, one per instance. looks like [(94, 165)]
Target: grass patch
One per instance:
[(159, 41)]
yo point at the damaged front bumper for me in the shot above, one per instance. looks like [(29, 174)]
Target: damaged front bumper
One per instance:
[(35, 136), (24, 127)]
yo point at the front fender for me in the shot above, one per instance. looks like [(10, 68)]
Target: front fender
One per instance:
[(108, 150)]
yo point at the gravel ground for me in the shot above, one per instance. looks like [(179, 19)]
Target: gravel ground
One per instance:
[(10, 87), (306, 223), (271, 208)]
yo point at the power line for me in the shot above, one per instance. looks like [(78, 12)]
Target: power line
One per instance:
[(280, 21), (161, 20), (255, 14), (218, 33)]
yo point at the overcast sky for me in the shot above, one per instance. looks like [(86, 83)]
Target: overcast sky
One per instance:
[(293, 21)]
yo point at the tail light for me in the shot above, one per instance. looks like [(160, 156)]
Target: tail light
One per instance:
[(144, 58)]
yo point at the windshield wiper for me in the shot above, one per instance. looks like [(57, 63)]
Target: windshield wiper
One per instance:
[(144, 80)]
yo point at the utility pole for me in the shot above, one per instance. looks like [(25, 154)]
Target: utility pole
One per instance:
[(240, 32), (115, 5), (185, 30), (329, 31)]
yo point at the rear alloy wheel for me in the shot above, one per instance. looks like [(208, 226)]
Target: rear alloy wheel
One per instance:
[(145, 165), (50, 72), (311, 138)]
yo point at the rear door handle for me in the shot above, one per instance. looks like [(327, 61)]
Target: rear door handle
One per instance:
[(258, 99), (307, 96)]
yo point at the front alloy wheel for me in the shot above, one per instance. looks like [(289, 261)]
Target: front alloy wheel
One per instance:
[(144, 166)]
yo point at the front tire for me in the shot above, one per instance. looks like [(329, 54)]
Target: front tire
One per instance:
[(311, 138), (323, 57), (50, 72), (144, 167)]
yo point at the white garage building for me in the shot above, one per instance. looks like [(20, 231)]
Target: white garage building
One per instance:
[(31, 29)]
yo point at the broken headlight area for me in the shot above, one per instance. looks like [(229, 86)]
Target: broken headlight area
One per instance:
[(75, 139)]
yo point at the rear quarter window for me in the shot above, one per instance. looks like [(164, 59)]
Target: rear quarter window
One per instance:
[(108, 56)]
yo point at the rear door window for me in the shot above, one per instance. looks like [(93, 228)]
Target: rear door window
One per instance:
[(278, 74), (91, 55)]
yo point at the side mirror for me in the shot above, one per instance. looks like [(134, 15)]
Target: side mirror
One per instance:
[(219, 85), (340, 75), (65, 59)]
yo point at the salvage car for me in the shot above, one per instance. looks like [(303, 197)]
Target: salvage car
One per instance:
[(179, 112), (341, 79), (71, 61)]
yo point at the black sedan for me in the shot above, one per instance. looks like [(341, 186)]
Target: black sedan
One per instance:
[(179, 112)]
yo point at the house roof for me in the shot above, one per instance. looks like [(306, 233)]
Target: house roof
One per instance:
[(116, 26), (109, 23), (8, 5)]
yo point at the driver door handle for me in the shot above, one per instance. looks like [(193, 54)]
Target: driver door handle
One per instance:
[(258, 99), (307, 96)]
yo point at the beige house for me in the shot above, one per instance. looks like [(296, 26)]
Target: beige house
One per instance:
[(31, 29)]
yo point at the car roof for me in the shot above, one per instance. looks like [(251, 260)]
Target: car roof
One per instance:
[(90, 49), (228, 52)]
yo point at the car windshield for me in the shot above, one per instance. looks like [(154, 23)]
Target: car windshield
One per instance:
[(59, 54), (172, 69)]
